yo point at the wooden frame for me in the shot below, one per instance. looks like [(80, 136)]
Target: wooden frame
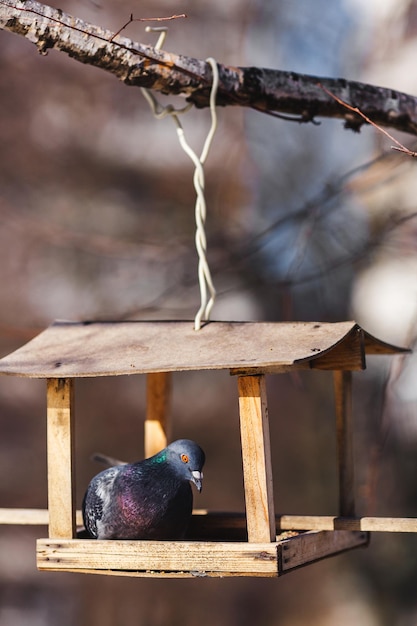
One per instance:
[(256, 459), (193, 558), (258, 543), (60, 453), (158, 392)]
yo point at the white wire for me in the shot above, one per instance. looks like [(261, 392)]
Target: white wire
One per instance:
[(204, 276)]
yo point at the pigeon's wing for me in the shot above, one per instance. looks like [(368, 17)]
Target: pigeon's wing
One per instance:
[(98, 498), (173, 519)]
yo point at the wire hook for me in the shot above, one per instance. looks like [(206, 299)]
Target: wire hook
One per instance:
[(207, 290)]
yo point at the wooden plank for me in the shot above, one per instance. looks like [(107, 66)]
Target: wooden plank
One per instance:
[(256, 457), (24, 517), (231, 526), (30, 517), (256, 370), (344, 426), (329, 522), (348, 354), (70, 349), (376, 346), (314, 546), (195, 558), (157, 407), (162, 574), (60, 453), (157, 555), (218, 524)]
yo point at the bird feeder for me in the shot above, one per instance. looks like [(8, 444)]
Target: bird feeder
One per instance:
[(253, 543)]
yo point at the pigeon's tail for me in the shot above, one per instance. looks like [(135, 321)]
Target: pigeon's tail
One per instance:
[(106, 460)]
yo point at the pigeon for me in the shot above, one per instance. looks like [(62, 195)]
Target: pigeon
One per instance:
[(150, 499)]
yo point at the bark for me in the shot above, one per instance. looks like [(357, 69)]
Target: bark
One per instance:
[(267, 90)]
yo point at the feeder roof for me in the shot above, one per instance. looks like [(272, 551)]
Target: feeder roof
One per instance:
[(82, 349)]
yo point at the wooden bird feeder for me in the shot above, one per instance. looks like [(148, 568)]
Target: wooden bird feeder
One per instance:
[(255, 543)]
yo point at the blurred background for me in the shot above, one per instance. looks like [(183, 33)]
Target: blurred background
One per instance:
[(304, 223)]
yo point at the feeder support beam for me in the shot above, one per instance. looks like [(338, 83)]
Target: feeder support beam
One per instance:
[(256, 456), (61, 471), (158, 392), (344, 425)]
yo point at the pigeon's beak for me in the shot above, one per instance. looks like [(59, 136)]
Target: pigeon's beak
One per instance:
[(197, 479)]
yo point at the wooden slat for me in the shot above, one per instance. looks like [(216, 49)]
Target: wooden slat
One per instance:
[(30, 517), (344, 426), (157, 555), (256, 370), (376, 346), (195, 558), (24, 517), (70, 349), (157, 407), (60, 444), (162, 574), (348, 354), (313, 546), (256, 457), (217, 526), (214, 524), (329, 522)]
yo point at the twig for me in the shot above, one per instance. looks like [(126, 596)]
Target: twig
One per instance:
[(145, 19), (399, 146)]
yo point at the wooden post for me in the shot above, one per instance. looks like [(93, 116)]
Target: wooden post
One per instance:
[(256, 455), (343, 401), (60, 453), (157, 420)]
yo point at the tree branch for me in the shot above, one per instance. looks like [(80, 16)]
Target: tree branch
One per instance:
[(266, 90)]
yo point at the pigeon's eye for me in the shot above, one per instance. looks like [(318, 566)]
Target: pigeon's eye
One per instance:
[(184, 458)]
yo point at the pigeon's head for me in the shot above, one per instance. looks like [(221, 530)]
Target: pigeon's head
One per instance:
[(188, 459)]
